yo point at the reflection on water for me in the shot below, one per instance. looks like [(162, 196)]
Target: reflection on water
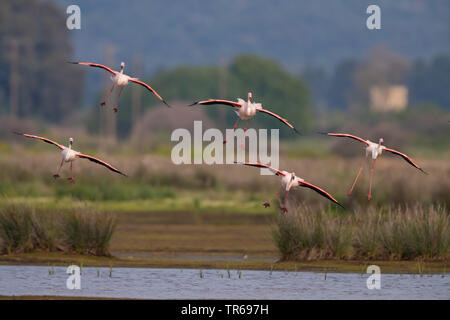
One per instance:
[(215, 284)]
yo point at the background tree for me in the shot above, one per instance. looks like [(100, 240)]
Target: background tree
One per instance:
[(34, 43), (429, 82), (341, 84)]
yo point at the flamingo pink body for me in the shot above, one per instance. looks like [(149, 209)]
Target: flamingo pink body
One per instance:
[(374, 150), (69, 155), (288, 181), (120, 80), (246, 110)]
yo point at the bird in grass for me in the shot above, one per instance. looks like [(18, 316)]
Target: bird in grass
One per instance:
[(69, 155), (245, 110), (120, 80), (288, 181), (374, 150)]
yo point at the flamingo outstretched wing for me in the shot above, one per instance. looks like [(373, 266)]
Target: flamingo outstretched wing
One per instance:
[(41, 138), (96, 65), (150, 89), (279, 118), (261, 165), (346, 135), (404, 156), (100, 162), (303, 183), (217, 101)]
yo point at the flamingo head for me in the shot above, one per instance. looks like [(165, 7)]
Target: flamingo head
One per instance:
[(70, 141), (291, 182), (249, 96), (381, 141), (122, 65)]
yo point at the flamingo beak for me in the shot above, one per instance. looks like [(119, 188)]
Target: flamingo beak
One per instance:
[(70, 140)]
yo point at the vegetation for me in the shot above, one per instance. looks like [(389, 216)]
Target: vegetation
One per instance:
[(34, 48), (384, 234), (24, 229), (217, 210), (347, 85)]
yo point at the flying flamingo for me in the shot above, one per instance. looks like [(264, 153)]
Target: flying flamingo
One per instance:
[(120, 80), (288, 181), (69, 155), (375, 150), (245, 110)]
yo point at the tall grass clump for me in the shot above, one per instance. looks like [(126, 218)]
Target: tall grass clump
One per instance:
[(307, 234), (416, 232), (402, 233), (15, 229), (84, 231), (88, 232)]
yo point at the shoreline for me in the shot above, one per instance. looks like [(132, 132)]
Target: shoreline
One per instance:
[(213, 262)]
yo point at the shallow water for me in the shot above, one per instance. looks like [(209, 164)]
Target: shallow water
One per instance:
[(215, 284)]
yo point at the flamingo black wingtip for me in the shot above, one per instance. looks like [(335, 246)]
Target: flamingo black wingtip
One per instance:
[(296, 131), (193, 104), (168, 105)]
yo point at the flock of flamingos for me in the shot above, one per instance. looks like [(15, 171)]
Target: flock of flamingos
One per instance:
[(245, 111)]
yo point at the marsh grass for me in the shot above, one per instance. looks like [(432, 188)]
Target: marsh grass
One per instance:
[(402, 233), (88, 232), (15, 229), (84, 231)]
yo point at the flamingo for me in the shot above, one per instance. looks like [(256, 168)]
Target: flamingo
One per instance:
[(288, 181), (245, 111), (120, 80), (69, 155), (375, 150)]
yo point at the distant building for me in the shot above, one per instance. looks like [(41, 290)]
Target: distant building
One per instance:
[(388, 98)]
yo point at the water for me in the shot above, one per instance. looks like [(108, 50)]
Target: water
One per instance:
[(215, 284)]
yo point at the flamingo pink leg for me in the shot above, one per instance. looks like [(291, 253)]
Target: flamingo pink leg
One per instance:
[(234, 128), (357, 176), (107, 96), (285, 199), (369, 196), (56, 175), (245, 129), (116, 108), (71, 175), (267, 204)]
